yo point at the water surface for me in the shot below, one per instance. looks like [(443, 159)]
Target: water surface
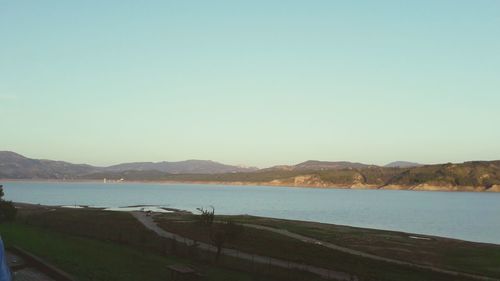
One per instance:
[(463, 215)]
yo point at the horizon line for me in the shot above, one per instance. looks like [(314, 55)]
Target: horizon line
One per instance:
[(241, 165)]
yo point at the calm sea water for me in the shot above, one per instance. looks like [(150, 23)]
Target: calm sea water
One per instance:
[(463, 215)]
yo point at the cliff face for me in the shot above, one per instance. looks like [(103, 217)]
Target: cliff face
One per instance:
[(479, 175), (468, 176), (302, 180)]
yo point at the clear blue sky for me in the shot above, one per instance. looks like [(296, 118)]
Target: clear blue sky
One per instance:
[(250, 82)]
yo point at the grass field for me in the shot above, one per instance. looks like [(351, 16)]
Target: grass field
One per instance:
[(478, 258), (119, 231), (271, 244), (90, 259), (101, 245)]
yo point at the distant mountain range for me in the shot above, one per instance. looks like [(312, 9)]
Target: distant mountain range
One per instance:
[(403, 164), (16, 166), (181, 167), (467, 176), (314, 165)]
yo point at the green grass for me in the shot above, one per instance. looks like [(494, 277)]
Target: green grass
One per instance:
[(481, 260), (89, 259), (123, 230), (275, 245), (476, 258), (118, 227)]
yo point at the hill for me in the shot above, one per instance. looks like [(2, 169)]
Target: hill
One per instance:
[(474, 175), (315, 165), (16, 166), (402, 164), (181, 167), (467, 176)]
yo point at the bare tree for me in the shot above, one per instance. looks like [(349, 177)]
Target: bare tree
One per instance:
[(206, 216), (223, 233)]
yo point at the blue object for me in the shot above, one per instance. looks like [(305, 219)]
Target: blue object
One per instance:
[(4, 268)]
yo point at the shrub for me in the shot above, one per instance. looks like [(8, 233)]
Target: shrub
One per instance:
[(8, 211)]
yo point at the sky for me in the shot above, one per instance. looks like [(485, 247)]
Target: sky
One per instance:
[(255, 83)]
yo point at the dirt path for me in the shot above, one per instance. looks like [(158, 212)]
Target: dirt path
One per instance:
[(149, 223), (365, 255)]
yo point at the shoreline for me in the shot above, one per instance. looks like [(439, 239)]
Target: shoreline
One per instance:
[(421, 187), (409, 235)]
